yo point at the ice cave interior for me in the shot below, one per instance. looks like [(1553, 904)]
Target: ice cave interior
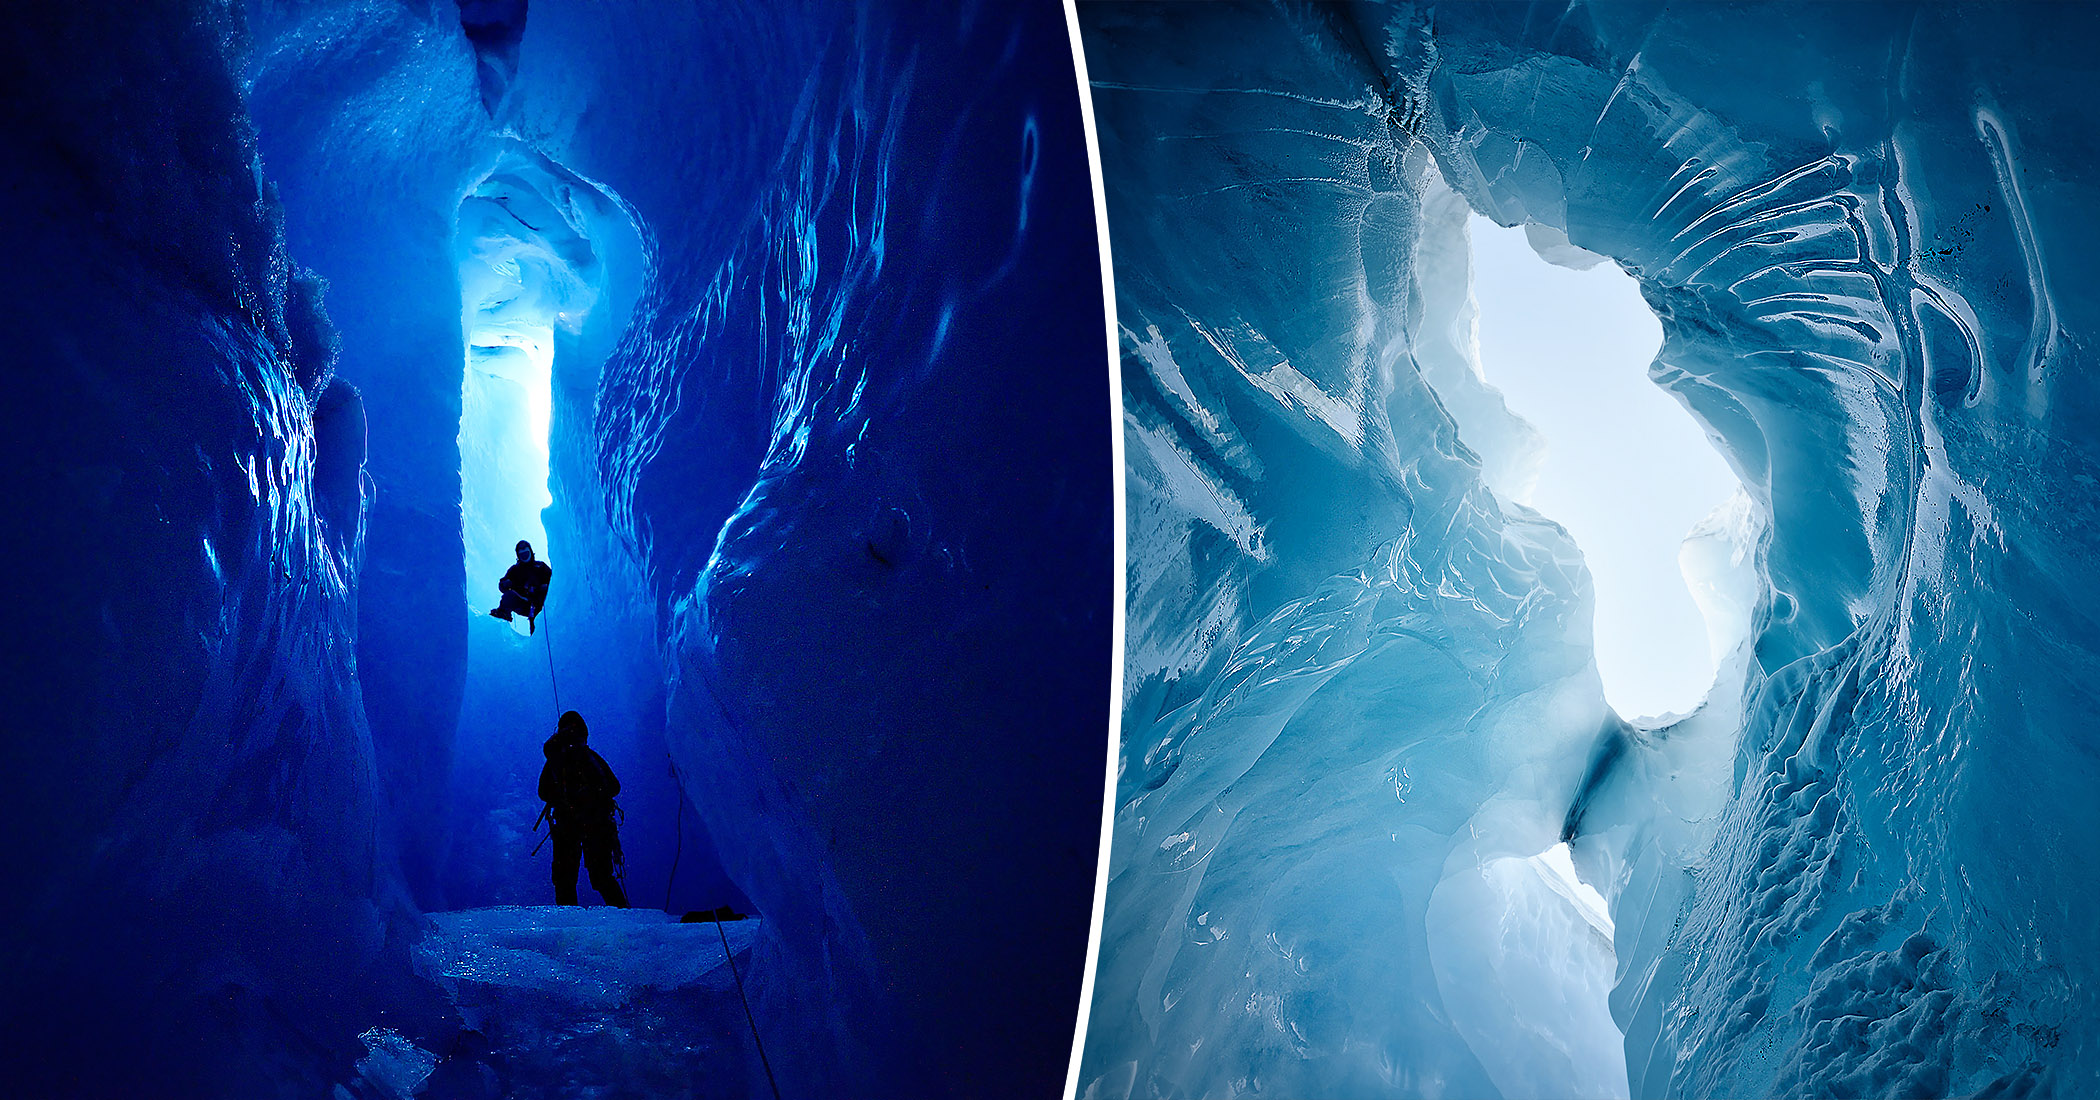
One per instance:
[(1373, 743), (776, 328)]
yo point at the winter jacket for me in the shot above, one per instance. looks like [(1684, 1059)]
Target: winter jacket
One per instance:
[(576, 781)]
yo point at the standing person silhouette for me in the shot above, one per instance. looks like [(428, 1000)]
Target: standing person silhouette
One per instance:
[(578, 787), (524, 588)]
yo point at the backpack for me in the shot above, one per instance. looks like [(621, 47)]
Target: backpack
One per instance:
[(585, 781)]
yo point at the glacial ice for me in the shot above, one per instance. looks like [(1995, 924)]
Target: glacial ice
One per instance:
[(596, 1001), (823, 485), (571, 1002), (1360, 694)]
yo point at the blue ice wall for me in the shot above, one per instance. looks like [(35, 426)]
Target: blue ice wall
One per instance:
[(1352, 677), (842, 470), (831, 523), (853, 432), (1871, 266), (1865, 228), (198, 887), (372, 127)]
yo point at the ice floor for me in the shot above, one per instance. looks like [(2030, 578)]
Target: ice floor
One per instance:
[(576, 1002)]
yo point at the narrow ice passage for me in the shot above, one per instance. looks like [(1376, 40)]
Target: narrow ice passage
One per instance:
[(1667, 539), (546, 277), (1556, 403), (524, 270), (527, 270), (821, 472)]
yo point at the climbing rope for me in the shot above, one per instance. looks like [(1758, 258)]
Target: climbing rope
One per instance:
[(747, 1005), (551, 681), (620, 869), (678, 834)]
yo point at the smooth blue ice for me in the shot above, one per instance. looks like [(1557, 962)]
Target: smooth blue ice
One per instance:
[(826, 490), (1361, 697)]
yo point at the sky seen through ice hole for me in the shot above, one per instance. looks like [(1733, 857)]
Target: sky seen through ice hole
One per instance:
[(1628, 471)]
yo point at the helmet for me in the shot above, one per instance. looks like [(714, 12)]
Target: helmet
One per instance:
[(572, 722)]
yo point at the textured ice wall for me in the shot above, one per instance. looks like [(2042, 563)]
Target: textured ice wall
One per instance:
[(855, 433), (196, 887), (371, 125), (1355, 679), (871, 314), (864, 343), (1867, 262), (1865, 229)]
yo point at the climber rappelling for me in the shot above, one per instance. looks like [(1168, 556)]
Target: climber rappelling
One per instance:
[(524, 588)]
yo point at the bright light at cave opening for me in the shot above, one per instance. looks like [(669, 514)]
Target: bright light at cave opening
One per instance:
[(526, 273), (505, 410), (1557, 866), (1627, 469)]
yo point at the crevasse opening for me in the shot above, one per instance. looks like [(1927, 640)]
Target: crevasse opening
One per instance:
[(1390, 691), (1624, 468), (524, 271), (547, 267), (1544, 380)]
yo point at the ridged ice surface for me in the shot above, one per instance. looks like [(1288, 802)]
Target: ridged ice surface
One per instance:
[(856, 433), (181, 530), (831, 525), (830, 501), (1854, 872)]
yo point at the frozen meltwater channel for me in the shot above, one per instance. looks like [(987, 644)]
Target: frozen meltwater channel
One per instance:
[(1566, 338)]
